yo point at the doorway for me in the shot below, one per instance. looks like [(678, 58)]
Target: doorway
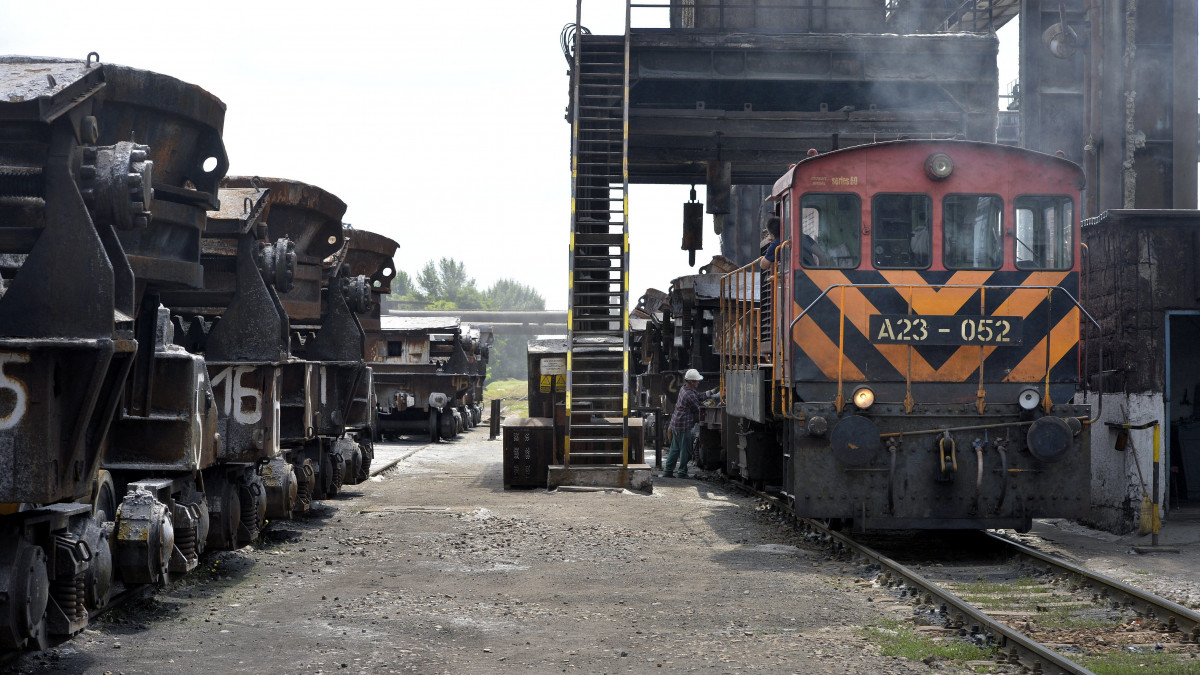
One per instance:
[(1182, 456)]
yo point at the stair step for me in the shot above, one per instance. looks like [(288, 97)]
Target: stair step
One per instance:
[(601, 188), (601, 412), (596, 410), (599, 239)]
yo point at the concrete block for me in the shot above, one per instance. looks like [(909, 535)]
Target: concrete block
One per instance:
[(634, 477)]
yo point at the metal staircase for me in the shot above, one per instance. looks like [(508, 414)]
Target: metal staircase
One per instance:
[(597, 402)]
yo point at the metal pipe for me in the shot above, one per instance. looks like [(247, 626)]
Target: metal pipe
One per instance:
[(487, 316), (978, 445), (1155, 519), (1003, 473), (892, 447)]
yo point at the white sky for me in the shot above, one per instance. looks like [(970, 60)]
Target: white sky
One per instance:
[(439, 123)]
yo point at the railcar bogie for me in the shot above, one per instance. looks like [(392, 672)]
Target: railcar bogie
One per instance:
[(429, 374)]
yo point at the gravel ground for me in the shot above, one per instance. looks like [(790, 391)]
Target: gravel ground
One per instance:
[(1172, 575), (434, 568)]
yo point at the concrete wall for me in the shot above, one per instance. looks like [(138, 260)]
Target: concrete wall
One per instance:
[(1139, 266), (1116, 486)]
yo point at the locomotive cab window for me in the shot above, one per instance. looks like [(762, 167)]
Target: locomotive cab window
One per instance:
[(1045, 232), (971, 232), (900, 236), (830, 230)]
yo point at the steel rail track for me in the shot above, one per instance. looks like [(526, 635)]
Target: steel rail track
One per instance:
[(1021, 650), (1176, 617)]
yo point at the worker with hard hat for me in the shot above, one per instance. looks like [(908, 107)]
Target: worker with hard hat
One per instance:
[(685, 416)]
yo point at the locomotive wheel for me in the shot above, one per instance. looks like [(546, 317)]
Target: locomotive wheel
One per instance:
[(368, 454), (449, 422), (433, 426), (27, 587), (104, 497), (225, 513)]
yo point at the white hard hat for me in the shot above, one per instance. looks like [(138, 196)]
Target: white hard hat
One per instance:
[(692, 375)]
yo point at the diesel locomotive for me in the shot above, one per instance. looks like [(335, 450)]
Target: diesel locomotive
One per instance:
[(912, 357)]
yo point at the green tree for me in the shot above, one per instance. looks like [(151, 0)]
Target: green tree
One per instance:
[(513, 295), (508, 358), (446, 282), (401, 296), (401, 284)]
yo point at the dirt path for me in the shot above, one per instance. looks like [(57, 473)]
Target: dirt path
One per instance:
[(433, 568)]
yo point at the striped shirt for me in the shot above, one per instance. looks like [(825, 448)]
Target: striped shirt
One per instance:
[(687, 409)]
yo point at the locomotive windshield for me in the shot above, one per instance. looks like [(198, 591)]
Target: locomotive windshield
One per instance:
[(831, 226), (971, 227), (1044, 232), (900, 234)]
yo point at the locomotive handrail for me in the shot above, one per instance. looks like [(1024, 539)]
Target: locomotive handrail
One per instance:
[(927, 285), (777, 373)]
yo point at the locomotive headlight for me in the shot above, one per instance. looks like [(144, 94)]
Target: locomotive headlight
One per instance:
[(863, 398), (1029, 398), (939, 166)]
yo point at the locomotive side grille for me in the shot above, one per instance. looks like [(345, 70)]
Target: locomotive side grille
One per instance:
[(597, 397)]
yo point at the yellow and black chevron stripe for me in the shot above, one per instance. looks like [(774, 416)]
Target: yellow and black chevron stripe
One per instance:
[(834, 341)]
